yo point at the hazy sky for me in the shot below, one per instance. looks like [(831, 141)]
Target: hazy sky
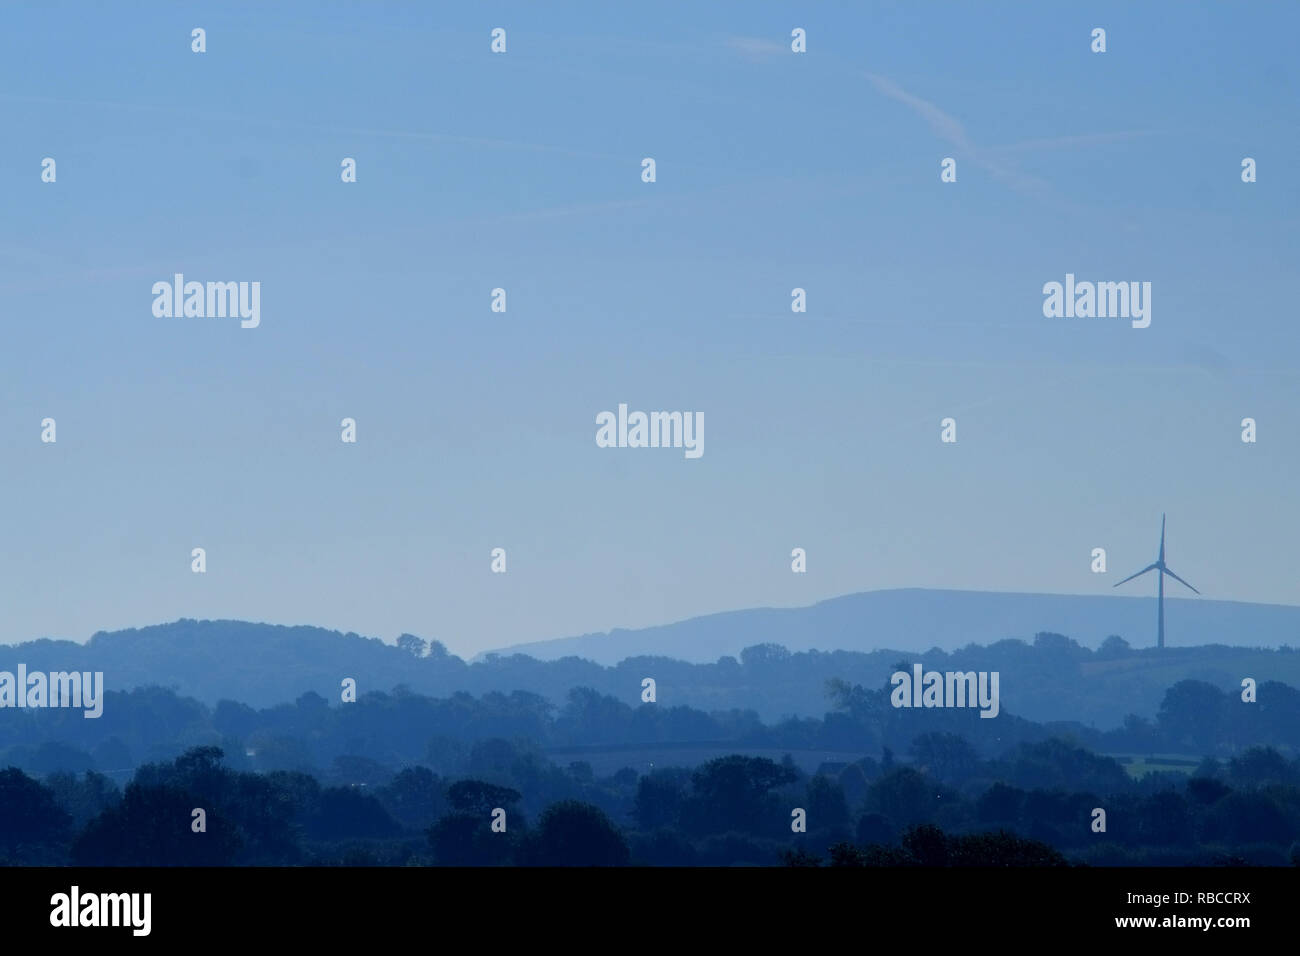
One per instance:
[(775, 170)]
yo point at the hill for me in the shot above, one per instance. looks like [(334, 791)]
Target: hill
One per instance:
[(917, 619)]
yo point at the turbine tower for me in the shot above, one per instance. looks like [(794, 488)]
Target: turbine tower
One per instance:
[(1160, 588)]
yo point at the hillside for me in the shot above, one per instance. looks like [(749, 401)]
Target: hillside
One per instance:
[(917, 619), (1049, 679)]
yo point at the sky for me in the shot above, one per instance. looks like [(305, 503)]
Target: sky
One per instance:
[(523, 170)]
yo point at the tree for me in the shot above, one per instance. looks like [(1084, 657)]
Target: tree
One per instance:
[(1206, 791), (799, 857), (466, 839), (29, 815), (480, 798), (734, 793), (152, 826), (571, 833), (200, 760), (1138, 732), (1001, 849), (927, 844), (946, 756), (905, 796), (1059, 644), (1000, 804), (414, 797), (346, 812), (1259, 766), (824, 800), (253, 814), (1112, 647), (1250, 817), (764, 655), (84, 797), (1061, 764), (874, 828), (590, 717), (864, 708), (1191, 715), (846, 854), (415, 646), (659, 797), (1165, 819)]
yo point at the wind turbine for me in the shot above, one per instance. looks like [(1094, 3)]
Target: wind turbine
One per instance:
[(1160, 592)]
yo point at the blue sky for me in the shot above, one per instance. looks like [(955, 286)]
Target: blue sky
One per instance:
[(775, 170)]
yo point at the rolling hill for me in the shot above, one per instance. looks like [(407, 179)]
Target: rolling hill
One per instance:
[(916, 619)]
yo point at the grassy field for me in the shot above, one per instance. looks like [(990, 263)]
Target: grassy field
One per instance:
[(1139, 765)]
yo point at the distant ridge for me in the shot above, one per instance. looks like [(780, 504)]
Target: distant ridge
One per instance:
[(262, 665), (917, 619)]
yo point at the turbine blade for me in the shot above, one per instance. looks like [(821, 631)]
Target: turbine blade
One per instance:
[(1149, 567), (1180, 580)]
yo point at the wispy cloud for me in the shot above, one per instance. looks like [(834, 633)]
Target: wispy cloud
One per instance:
[(948, 127), (942, 123), (755, 48)]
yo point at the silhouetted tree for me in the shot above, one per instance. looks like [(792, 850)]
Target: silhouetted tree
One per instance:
[(905, 796), (824, 800), (1191, 713), (83, 797), (735, 793), (1206, 790), (799, 857), (571, 833), (415, 646), (1165, 819), (1112, 647), (479, 797), (152, 827), (414, 797), (1259, 766), (30, 819), (1000, 804), (347, 812), (945, 756), (659, 798), (1251, 817)]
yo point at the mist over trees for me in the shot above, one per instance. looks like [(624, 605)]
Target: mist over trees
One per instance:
[(398, 778), (1202, 773), (1050, 678), (1034, 805)]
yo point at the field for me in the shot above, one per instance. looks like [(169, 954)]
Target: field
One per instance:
[(1139, 765)]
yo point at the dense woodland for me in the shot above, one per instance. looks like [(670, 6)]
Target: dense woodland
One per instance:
[(1034, 806), (399, 728), (1050, 678), (399, 778)]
